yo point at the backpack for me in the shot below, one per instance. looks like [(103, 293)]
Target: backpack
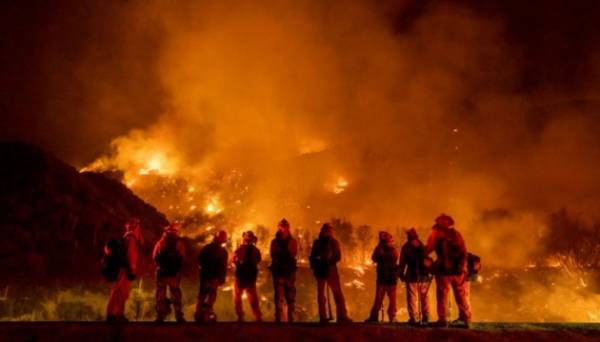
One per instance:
[(319, 259), (473, 266), (247, 272), (168, 259), (284, 265), (454, 254), (113, 259), (387, 268)]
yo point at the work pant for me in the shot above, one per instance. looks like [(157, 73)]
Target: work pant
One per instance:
[(162, 302), (460, 287), (333, 282), (284, 289), (118, 296), (416, 293), (252, 299), (207, 296), (380, 292)]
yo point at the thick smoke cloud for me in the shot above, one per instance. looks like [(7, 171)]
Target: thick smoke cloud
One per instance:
[(419, 109)]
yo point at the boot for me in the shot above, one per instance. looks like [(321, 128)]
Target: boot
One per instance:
[(412, 322), (439, 324), (460, 323), (371, 320), (180, 318), (425, 320), (344, 320)]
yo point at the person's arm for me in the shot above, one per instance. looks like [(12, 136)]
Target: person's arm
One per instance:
[(463, 249), (274, 250), (156, 249), (377, 253), (236, 256), (431, 240), (258, 255), (293, 247), (337, 253), (223, 268), (132, 256), (181, 248), (402, 264), (313, 252)]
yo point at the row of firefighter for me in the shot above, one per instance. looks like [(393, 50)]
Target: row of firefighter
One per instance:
[(452, 270)]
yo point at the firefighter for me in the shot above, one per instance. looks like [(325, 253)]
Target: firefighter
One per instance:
[(132, 241), (168, 254), (212, 262), (415, 272), (450, 270), (284, 250), (246, 259), (324, 256), (385, 256)]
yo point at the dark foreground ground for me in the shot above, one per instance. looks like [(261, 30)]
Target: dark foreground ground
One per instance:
[(68, 331)]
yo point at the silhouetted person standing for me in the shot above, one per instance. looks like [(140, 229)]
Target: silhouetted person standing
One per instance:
[(450, 269), (324, 256), (212, 262), (284, 250), (415, 272), (246, 258), (132, 241), (385, 256), (169, 254)]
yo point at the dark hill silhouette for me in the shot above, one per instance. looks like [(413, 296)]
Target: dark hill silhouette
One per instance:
[(55, 220)]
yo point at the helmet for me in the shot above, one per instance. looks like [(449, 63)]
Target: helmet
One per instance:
[(444, 217), (172, 228), (249, 237), (283, 223), (221, 236), (411, 234)]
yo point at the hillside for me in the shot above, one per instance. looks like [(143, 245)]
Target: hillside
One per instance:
[(55, 220)]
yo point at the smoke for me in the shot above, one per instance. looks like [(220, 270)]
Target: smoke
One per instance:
[(307, 110)]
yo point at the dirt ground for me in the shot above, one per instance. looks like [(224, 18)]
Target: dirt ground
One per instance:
[(74, 331)]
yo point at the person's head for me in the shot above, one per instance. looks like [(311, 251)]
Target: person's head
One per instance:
[(386, 238), (444, 221), (411, 234), (133, 226), (172, 228), (326, 230), (221, 237), (283, 228), (249, 238)]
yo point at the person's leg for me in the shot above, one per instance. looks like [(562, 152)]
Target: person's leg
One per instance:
[(411, 301), (321, 288), (118, 297), (237, 300), (391, 292), (200, 304), (424, 289), (460, 287), (162, 303), (338, 295), (290, 296), (278, 297), (442, 283), (176, 296), (379, 293), (254, 302)]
